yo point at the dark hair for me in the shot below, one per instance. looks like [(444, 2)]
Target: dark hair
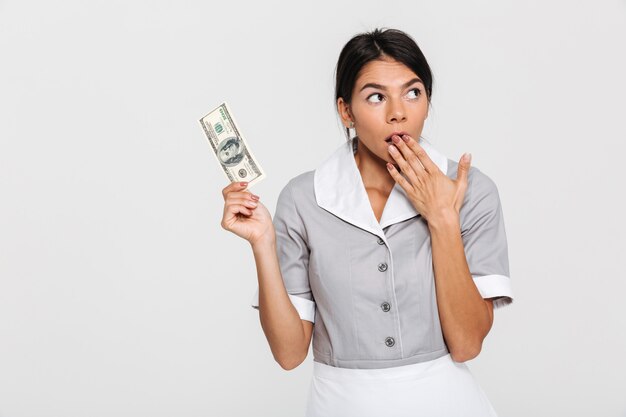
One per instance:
[(374, 45)]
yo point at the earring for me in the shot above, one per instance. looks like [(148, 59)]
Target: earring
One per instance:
[(351, 125)]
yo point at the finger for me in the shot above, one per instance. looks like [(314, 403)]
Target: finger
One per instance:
[(405, 167), (233, 209), (243, 194), (242, 201), (409, 155), (464, 167), (399, 178), (234, 186), (246, 211), (421, 154)]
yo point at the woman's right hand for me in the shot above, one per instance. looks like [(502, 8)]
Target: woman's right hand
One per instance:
[(245, 215)]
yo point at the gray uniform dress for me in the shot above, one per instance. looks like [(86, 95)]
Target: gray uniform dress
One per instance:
[(369, 286)]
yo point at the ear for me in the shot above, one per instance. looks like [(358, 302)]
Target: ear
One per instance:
[(343, 109)]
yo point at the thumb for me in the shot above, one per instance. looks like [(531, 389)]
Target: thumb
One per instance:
[(464, 167)]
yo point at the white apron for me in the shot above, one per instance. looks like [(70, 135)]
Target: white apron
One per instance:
[(436, 388)]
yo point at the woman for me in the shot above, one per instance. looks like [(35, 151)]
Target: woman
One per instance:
[(394, 265)]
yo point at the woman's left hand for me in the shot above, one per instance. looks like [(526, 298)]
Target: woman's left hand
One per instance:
[(433, 194)]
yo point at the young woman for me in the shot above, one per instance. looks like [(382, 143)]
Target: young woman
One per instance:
[(391, 254)]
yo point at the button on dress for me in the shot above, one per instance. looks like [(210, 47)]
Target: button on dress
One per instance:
[(369, 289)]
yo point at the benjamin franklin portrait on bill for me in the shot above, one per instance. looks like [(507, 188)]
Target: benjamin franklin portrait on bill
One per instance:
[(230, 151)]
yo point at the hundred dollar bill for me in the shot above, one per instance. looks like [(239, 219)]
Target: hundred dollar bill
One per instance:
[(230, 147)]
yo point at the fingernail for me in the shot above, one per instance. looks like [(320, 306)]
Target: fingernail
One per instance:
[(467, 157), (405, 138), (255, 197), (395, 139), (243, 183), (392, 149)]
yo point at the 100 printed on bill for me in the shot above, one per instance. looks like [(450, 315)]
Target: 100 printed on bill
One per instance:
[(230, 147)]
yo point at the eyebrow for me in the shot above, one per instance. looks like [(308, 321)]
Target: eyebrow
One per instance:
[(382, 87)]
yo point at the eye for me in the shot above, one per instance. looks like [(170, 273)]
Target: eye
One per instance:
[(417, 93), (374, 95)]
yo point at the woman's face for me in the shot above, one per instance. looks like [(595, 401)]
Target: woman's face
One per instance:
[(388, 97)]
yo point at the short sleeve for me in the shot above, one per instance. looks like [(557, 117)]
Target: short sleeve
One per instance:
[(484, 239), (293, 255)]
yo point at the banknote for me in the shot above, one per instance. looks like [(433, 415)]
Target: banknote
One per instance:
[(230, 147)]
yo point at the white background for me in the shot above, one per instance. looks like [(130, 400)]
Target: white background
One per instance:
[(120, 294)]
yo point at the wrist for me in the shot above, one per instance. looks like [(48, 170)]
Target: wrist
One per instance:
[(263, 243), (445, 219)]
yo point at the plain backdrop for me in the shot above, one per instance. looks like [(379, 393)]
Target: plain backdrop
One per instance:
[(121, 295)]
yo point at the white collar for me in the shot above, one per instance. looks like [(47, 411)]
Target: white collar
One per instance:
[(339, 189)]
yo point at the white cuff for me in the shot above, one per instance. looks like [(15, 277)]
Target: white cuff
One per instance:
[(304, 307), (490, 286)]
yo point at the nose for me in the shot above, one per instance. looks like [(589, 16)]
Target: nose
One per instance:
[(395, 111)]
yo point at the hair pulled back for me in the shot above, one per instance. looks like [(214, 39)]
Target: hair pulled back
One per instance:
[(375, 45)]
